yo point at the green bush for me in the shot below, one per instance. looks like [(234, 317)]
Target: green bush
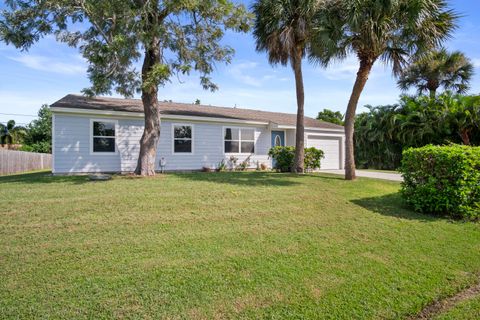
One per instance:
[(312, 158), (284, 158), (41, 147), (443, 180)]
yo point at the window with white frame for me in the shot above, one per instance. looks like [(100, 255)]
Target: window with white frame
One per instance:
[(239, 140), (182, 138), (103, 136)]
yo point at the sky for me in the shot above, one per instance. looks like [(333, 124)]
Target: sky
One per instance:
[(51, 70)]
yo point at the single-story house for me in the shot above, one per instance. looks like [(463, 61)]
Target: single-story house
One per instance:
[(102, 135)]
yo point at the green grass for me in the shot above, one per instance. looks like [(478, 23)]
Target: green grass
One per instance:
[(224, 245), (466, 310)]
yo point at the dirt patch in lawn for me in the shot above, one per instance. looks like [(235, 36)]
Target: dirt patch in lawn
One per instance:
[(441, 306)]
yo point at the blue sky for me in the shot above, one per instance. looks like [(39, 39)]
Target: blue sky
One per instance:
[(50, 70)]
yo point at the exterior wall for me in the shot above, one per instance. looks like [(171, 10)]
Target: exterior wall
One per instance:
[(72, 145), (208, 146), (290, 137)]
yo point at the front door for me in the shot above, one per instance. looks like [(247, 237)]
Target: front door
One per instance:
[(278, 140)]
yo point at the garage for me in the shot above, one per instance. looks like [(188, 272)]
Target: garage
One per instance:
[(331, 146)]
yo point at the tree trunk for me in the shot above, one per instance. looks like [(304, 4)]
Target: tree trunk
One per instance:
[(151, 133), (464, 134), (361, 80), (432, 86), (298, 165)]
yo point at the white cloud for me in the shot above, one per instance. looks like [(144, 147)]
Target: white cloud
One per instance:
[(476, 62), (239, 71), (344, 70), (348, 68), (75, 66), (252, 74)]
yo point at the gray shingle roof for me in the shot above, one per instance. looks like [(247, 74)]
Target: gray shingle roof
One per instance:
[(174, 108)]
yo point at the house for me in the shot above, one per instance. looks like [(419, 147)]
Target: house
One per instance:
[(102, 135)]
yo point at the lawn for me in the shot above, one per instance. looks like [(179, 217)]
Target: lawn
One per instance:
[(224, 245), (466, 310)]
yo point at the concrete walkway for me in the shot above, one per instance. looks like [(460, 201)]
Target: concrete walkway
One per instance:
[(370, 174)]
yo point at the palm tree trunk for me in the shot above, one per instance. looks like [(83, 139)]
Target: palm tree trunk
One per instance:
[(432, 86), (151, 132), (361, 80), (298, 165), (464, 134)]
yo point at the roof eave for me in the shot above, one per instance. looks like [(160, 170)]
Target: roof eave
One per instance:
[(131, 114), (113, 113)]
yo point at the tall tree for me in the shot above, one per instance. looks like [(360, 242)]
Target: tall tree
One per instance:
[(39, 132), (461, 114), (331, 116), (172, 36), (11, 133), (384, 131), (283, 29), (392, 31), (440, 68)]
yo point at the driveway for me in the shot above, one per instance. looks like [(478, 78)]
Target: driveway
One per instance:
[(370, 174)]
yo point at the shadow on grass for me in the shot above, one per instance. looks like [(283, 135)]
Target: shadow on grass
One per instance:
[(326, 176), (243, 178), (394, 206), (42, 178)]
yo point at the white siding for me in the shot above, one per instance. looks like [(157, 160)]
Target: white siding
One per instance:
[(72, 143), (207, 146), (290, 137), (331, 143)]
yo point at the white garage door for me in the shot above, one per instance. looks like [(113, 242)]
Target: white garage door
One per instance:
[(331, 149)]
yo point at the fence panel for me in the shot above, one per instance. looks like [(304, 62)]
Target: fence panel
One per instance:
[(12, 161)]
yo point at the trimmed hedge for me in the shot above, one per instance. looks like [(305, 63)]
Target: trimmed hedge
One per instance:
[(285, 156), (443, 180)]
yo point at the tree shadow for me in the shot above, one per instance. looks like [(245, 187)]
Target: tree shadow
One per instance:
[(43, 178), (326, 176), (243, 178), (394, 206)]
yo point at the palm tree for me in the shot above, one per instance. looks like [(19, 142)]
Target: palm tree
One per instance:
[(390, 31), (375, 144), (11, 133), (461, 114), (283, 29), (452, 71)]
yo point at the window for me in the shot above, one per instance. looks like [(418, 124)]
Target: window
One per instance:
[(278, 141), (103, 135), (239, 140), (182, 139)]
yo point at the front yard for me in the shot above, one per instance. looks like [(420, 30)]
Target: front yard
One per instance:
[(224, 245)]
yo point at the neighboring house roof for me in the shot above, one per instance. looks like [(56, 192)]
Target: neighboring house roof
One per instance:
[(173, 108)]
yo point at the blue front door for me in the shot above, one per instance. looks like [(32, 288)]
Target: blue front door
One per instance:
[(278, 140)]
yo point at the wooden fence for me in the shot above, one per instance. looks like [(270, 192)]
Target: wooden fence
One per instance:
[(19, 161)]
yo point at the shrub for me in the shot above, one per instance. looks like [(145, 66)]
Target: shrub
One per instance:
[(284, 158), (221, 166), (312, 158), (443, 180)]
